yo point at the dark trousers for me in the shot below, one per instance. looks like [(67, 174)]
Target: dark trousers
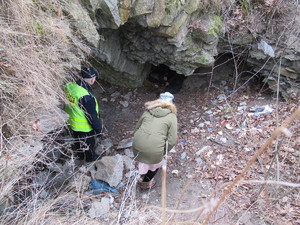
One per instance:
[(85, 143), (149, 175)]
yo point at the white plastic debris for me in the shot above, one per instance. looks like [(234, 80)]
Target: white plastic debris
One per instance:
[(124, 103), (175, 172), (199, 161), (219, 159), (223, 140), (203, 149), (201, 125), (183, 155), (261, 110), (221, 97), (228, 126), (266, 48), (195, 130)]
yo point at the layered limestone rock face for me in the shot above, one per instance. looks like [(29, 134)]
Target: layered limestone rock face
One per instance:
[(128, 36), (277, 59), (133, 35), (282, 67)]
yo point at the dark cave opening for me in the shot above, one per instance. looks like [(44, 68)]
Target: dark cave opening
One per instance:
[(163, 76), (232, 72)]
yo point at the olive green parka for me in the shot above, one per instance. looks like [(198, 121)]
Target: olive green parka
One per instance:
[(157, 125)]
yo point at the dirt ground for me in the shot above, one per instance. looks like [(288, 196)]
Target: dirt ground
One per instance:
[(218, 134)]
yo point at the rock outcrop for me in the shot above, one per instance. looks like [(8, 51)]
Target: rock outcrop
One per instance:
[(184, 35)]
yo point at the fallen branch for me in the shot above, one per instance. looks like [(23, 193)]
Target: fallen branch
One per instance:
[(181, 195), (272, 182), (178, 210)]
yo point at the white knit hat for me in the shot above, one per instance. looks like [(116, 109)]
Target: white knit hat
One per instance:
[(167, 96)]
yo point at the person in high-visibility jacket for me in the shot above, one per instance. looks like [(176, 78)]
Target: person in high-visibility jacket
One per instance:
[(84, 117)]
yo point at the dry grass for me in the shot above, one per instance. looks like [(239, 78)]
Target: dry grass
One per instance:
[(33, 62), (33, 48)]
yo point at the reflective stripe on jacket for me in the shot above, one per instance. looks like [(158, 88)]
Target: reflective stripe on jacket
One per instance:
[(77, 119)]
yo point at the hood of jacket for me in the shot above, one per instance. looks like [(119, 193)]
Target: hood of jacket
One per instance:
[(160, 108)]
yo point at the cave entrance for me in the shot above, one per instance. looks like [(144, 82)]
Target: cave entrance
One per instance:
[(230, 73), (163, 76)]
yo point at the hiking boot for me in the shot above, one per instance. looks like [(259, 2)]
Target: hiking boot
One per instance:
[(147, 185)]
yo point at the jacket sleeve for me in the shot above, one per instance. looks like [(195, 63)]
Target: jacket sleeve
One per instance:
[(88, 105), (172, 133), (139, 123)]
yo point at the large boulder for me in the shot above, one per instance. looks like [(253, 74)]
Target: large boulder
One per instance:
[(109, 169)]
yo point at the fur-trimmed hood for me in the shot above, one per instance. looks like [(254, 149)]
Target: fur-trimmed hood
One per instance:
[(160, 108)]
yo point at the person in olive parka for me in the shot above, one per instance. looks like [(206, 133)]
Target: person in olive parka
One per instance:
[(157, 125)]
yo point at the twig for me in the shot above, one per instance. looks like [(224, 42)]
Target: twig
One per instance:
[(228, 104), (88, 198), (163, 195), (245, 211), (176, 211), (181, 195), (235, 65), (163, 188), (129, 195), (272, 182), (218, 143), (271, 164), (277, 104), (276, 133)]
